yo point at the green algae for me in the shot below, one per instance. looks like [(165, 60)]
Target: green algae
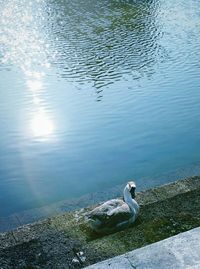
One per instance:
[(162, 228)]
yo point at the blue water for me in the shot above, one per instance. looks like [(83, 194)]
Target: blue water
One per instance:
[(94, 93)]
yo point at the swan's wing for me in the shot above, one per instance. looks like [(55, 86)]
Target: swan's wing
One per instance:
[(119, 215), (105, 208), (111, 213)]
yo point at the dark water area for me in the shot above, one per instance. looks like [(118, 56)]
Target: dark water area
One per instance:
[(95, 93)]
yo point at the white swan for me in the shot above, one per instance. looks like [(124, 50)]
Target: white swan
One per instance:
[(115, 214)]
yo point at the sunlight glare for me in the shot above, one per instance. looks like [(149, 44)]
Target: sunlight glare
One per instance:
[(41, 125), (34, 85)]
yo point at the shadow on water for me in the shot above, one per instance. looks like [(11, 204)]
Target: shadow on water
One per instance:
[(100, 42)]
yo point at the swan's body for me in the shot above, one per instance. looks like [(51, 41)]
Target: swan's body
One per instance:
[(115, 214)]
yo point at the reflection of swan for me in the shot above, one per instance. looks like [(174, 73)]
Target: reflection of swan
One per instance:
[(115, 214)]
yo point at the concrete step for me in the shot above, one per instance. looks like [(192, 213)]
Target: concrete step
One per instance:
[(177, 252)]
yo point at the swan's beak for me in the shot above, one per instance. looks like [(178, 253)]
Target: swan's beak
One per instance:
[(132, 191)]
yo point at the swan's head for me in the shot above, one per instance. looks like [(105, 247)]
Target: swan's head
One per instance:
[(131, 187)]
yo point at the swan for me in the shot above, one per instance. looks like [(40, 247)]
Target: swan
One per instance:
[(115, 214)]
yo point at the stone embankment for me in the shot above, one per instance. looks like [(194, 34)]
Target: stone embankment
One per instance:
[(65, 241)]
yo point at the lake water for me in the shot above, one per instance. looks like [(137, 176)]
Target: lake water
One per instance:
[(94, 93)]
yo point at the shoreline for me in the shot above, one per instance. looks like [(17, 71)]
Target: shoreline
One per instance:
[(165, 211), (17, 219)]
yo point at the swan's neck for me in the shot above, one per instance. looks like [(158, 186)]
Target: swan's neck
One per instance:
[(130, 201)]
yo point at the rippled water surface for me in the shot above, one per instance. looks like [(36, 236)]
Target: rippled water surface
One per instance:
[(94, 93)]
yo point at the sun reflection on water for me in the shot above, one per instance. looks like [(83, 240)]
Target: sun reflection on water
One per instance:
[(41, 125), (28, 49), (34, 85)]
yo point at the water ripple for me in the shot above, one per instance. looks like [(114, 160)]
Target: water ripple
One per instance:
[(138, 59), (99, 42)]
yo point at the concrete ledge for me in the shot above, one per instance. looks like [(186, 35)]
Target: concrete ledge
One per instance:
[(179, 252), (54, 243)]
